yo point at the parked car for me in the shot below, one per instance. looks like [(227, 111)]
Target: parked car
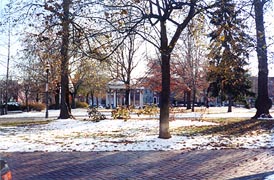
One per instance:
[(12, 106), (5, 171)]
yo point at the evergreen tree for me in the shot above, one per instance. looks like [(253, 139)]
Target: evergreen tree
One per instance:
[(228, 54)]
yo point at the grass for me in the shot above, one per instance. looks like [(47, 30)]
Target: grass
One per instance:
[(228, 126), (24, 123), (225, 126)]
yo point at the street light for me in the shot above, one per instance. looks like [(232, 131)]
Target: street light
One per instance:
[(47, 89)]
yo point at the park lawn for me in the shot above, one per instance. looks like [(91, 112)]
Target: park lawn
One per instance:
[(228, 126)]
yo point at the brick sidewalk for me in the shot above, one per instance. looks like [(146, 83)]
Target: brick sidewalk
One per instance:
[(185, 165)]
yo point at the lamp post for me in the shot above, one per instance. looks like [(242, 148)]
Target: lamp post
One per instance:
[(1, 103), (47, 89)]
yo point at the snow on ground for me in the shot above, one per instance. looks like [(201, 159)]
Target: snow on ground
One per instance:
[(270, 177), (136, 134)]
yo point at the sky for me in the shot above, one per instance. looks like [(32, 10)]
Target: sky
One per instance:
[(15, 45)]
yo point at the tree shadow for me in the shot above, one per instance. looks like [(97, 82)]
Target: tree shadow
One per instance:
[(239, 128)]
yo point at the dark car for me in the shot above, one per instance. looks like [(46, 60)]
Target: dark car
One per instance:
[(14, 106), (5, 170)]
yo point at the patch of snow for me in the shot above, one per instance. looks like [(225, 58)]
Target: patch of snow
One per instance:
[(118, 135), (271, 177)]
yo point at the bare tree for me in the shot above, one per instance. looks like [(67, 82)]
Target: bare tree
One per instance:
[(124, 61), (191, 59), (163, 22)]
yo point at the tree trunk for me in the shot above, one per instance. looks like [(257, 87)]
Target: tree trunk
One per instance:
[(206, 103), (87, 100), (127, 95), (131, 52), (57, 95), (37, 97), (165, 93), (97, 102), (185, 99), (263, 102), (193, 99), (27, 100), (92, 98), (73, 103), (188, 101), (65, 105), (229, 103)]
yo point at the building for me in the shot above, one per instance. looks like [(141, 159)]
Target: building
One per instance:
[(138, 96)]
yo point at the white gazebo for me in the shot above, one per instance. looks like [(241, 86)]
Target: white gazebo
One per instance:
[(116, 95)]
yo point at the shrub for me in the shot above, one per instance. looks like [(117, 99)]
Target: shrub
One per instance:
[(81, 104), (34, 107), (148, 110), (121, 113)]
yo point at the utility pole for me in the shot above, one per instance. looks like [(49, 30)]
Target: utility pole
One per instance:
[(8, 62), (47, 89)]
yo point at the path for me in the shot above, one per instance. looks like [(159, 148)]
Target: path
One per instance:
[(185, 165)]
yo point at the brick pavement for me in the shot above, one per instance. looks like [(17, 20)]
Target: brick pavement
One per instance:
[(185, 165)]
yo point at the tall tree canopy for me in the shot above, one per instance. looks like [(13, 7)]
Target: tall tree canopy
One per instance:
[(68, 31)]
